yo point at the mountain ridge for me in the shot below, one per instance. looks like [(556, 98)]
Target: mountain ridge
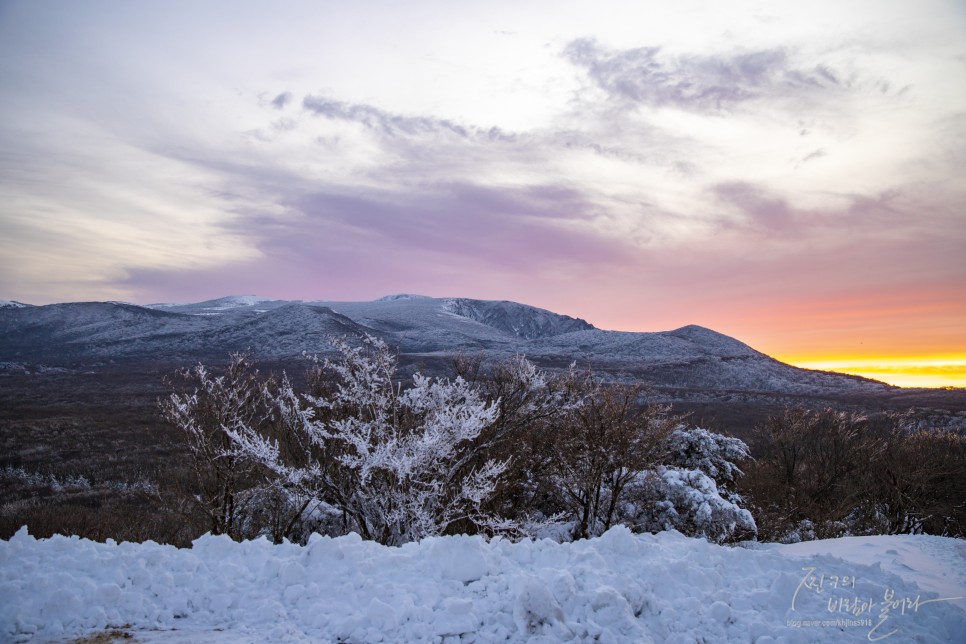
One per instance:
[(422, 329)]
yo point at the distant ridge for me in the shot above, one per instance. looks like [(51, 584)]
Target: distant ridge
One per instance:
[(401, 297), (11, 304), (425, 330)]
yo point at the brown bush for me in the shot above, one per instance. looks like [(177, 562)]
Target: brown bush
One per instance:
[(821, 474)]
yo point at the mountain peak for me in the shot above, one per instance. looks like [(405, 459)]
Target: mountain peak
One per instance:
[(399, 297), (521, 320), (712, 339), (235, 301), (218, 306)]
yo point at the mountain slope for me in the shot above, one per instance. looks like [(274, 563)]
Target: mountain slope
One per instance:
[(522, 321), (423, 329)]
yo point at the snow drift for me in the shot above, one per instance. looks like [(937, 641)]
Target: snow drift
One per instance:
[(620, 587)]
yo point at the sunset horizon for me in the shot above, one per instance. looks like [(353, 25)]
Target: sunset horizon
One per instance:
[(935, 370)]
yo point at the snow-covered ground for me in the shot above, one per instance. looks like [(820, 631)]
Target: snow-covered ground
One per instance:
[(620, 587)]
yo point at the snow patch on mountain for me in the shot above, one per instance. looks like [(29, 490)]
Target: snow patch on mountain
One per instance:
[(218, 306), (523, 321), (234, 301), (12, 304), (401, 297), (231, 302)]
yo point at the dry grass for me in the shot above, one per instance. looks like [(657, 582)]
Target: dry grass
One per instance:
[(88, 454), (106, 637)]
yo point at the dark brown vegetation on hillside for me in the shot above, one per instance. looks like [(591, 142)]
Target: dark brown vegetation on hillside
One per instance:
[(89, 454), (823, 474)]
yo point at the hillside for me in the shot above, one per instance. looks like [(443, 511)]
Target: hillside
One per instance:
[(428, 331)]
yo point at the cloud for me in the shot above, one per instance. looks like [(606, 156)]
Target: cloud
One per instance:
[(441, 239), (881, 217), (507, 229), (817, 154), (759, 208), (283, 99), (391, 124), (700, 83)]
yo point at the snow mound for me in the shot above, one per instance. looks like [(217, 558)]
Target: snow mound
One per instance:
[(620, 587), (936, 563), (12, 304)]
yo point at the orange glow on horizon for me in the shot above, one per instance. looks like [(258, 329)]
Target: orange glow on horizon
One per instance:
[(906, 371), (909, 335)]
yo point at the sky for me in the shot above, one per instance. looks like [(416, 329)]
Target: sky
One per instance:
[(790, 174)]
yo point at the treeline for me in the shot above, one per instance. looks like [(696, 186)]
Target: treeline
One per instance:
[(826, 474), (510, 449)]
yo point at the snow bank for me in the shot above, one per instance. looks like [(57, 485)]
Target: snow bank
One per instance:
[(617, 588), (935, 563)]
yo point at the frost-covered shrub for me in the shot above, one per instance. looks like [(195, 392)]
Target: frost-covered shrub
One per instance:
[(211, 406), (532, 408), (686, 490), (689, 501), (598, 448), (278, 513), (804, 531), (512, 451), (708, 452), (73, 482), (398, 464)]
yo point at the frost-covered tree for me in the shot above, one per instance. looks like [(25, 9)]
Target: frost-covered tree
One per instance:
[(531, 404), (399, 464), (210, 408), (712, 454), (513, 449), (689, 490), (689, 501), (600, 447)]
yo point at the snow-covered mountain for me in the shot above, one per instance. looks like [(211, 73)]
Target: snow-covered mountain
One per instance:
[(221, 305), (425, 330), (523, 321)]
